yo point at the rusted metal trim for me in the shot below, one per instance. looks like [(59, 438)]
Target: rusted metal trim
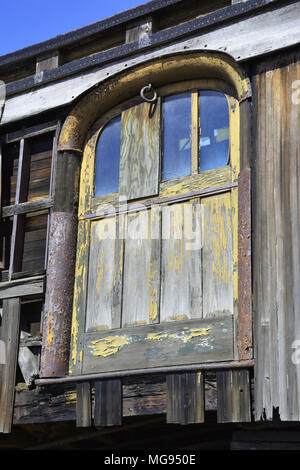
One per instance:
[(244, 330), (150, 371)]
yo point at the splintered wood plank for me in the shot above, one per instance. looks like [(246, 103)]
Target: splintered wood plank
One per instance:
[(173, 343), (233, 396), (140, 150), (10, 336), (181, 267), (141, 287), (21, 287), (217, 256), (105, 275), (108, 403), (83, 405), (185, 398)]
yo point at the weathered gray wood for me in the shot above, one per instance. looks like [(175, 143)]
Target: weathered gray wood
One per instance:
[(17, 237), (28, 362), (217, 256), (242, 39), (185, 398), (108, 403), (21, 287), (1, 157), (141, 286), (139, 31), (47, 62), (276, 276), (181, 267), (174, 343), (26, 207), (83, 405), (29, 132), (10, 336), (233, 396), (105, 276), (140, 150)]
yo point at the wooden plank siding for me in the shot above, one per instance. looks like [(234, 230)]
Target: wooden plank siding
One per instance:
[(276, 209)]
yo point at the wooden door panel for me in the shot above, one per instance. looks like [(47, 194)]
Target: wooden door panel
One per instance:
[(181, 268), (104, 292), (217, 255), (174, 343), (141, 287)]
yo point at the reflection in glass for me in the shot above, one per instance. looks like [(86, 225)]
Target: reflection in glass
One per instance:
[(108, 158), (176, 145), (214, 130)]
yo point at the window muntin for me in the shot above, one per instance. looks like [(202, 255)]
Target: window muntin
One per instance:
[(194, 131), (108, 158)]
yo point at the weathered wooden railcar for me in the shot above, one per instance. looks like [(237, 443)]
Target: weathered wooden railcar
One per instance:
[(150, 217)]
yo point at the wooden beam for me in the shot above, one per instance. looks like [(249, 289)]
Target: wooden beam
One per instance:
[(83, 405), (21, 287), (26, 207), (30, 132), (185, 398), (108, 403), (47, 62), (10, 335), (139, 31), (233, 396)]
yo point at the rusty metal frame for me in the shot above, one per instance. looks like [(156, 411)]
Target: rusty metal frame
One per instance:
[(244, 328)]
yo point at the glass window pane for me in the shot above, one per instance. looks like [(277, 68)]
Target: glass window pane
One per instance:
[(108, 158), (214, 130), (176, 156)]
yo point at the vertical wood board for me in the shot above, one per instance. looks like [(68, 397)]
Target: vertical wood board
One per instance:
[(140, 150)]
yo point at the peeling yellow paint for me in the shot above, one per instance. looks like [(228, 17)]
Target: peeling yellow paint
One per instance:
[(198, 332), (70, 397), (107, 346), (49, 332), (156, 336), (179, 317)]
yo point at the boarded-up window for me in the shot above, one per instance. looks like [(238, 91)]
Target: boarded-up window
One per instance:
[(156, 276)]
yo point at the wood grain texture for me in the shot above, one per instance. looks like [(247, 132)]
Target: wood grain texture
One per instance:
[(185, 398), (22, 287), (233, 396), (108, 403), (181, 267), (174, 343), (141, 286), (276, 209), (10, 335), (217, 255), (105, 276), (83, 405), (140, 150)]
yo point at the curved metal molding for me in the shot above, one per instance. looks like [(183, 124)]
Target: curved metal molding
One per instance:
[(165, 70)]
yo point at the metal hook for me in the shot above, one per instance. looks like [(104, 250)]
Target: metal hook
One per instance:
[(147, 89)]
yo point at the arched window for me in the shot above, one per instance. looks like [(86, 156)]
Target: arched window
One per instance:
[(156, 280)]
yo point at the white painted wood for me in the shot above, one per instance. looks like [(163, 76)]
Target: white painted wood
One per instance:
[(250, 37)]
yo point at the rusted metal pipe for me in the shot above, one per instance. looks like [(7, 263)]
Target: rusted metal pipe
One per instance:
[(61, 267), (150, 371)]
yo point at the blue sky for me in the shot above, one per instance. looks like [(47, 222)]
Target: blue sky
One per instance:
[(27, 22)]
